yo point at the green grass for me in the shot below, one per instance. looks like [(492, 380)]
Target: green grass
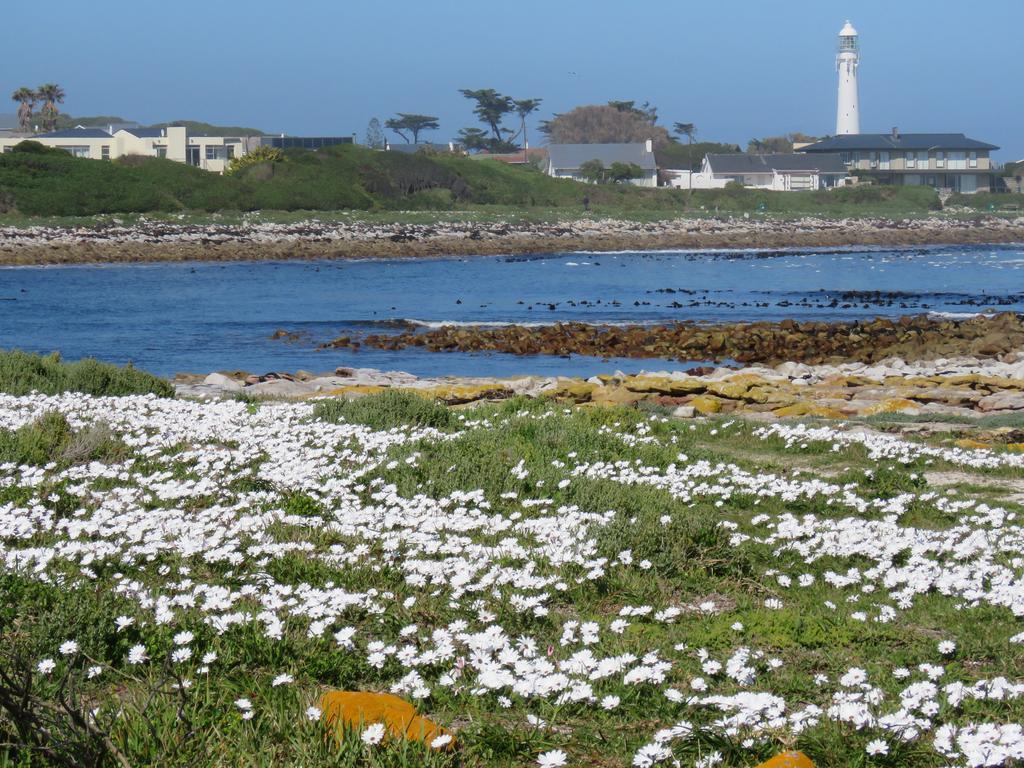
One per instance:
[(40, 182), (22, 373), (386, 410), (988, 201), (51, 439)]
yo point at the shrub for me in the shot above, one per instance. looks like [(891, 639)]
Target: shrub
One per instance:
[(50, 438), (386, 410), (22, 373), (257, 156)]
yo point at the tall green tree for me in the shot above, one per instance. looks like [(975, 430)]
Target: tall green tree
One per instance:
[(413, 125), (605, 124), (524, 108), (687, 130), (26, 99), (491, 109), (474, 139), (51, 95), (592, 171)]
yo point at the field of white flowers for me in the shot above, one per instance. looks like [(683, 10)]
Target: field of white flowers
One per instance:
[(180, 581)]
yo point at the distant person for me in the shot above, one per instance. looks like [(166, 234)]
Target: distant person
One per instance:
[(586, 202)]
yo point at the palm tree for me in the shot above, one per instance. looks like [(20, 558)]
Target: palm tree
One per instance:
[(688, 130), (26, 99), (525, 107), (51, 95)]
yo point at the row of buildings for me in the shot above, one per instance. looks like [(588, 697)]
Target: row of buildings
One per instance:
[(946, 161)]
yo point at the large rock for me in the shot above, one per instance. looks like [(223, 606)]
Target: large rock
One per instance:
[(279, 388), (665, 385), (220, 381), (1002, 401)]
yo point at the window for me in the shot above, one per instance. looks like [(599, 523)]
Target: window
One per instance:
[(911, 160), (846, 157), (105, 152), (214, 152), (75, 151), (972, 159), (922, 159), (883, 160), (940, 159), (231, 151), (161, 152)]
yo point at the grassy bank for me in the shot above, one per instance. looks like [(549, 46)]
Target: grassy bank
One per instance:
[(608, 584), (22, 373), (40, 182)]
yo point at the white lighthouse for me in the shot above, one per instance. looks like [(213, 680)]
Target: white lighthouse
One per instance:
[(847, 62)]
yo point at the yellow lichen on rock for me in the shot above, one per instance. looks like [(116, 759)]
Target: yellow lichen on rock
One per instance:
[(357, 709), (975, 444), (664, 385), (735, 387), (706, 404), (615, 396), (358, 390), (788, 760), (572, 389), (892, 405), (808, 408), (769, 394)]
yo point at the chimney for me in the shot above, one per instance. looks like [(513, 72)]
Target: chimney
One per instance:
[(895, 133), (649, 145)]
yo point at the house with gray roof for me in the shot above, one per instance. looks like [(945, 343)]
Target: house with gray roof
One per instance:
[(565, 160), (946, 161), (792, 172)]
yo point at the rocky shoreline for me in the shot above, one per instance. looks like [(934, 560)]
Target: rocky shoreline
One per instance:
[(151, 240), (918, 337), (962, 387)]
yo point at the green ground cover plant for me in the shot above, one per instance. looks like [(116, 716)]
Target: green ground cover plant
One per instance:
[(578, 586)]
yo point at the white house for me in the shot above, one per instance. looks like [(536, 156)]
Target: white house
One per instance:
[(211, 153), (564, 160), (780, 173)]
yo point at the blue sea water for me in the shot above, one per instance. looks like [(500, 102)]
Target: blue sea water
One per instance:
[(205, 316)]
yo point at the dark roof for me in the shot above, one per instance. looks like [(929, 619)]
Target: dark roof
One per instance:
[(572, 156), (883, 141), (76, 133), (733, 163)]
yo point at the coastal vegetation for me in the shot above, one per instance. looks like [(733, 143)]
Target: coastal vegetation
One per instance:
[(36, 181), (22, 373), (555, 586)]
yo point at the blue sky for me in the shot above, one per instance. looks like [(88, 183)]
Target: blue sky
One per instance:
[(735, 68)]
